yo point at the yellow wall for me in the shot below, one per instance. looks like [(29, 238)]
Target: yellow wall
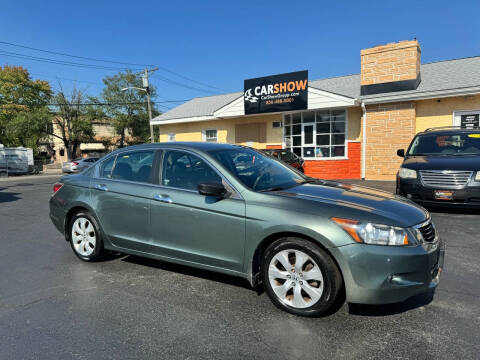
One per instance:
[(226, 128), (355, 123), (431, 113)]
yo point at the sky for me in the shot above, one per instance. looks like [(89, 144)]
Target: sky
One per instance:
[(210, 47)]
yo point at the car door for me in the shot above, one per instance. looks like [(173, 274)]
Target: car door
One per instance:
[(194, 227), (121, 195)]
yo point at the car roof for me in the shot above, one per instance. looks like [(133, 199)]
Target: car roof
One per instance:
[(202, 146), (448, 131)]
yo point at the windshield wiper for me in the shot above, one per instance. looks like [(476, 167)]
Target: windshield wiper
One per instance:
[(464, 154), (275, 188), (308, 181)]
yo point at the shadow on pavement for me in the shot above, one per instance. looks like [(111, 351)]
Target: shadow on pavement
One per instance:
[(190, 271), (8, 197), (391, 309)]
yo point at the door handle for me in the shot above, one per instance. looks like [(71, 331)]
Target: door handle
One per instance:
[(101, 187), (163, 198)]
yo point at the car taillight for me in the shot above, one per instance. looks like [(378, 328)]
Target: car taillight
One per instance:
[(74, 163), (56, 187)]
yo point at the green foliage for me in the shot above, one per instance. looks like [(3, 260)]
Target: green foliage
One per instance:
[(23, 107), (130, 118), (72, 122)]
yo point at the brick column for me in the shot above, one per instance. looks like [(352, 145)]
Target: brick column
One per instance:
[(389, 127)]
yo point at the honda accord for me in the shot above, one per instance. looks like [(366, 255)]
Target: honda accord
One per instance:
[(309, 243)]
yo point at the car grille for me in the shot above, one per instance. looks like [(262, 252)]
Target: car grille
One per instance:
[(428, 231), (445, 179)]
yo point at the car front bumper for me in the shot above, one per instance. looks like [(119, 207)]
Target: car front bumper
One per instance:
[(375, 274), (469, 196)]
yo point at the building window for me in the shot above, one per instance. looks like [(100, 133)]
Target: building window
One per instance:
[(210, 135), (276, 124), (316, 134), (171, 137)]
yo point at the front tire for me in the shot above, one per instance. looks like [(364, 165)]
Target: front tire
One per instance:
[(85, 237), (301, 278)]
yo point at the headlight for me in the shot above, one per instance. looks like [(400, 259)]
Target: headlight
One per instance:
[(374, 234), (405, 173), (477, 176)]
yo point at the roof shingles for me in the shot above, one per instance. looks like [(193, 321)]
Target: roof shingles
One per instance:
[(437, 76)]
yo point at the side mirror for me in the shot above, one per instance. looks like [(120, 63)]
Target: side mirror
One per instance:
[(401, 152), (212, 189)]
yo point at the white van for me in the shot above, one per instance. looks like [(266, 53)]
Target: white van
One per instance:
[(17, 161)]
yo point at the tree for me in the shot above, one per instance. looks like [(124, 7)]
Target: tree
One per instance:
[(72, 122), (24, 113), (131, 116)]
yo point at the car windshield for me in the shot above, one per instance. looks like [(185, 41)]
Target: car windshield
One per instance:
[(455, 143), (257, 171)]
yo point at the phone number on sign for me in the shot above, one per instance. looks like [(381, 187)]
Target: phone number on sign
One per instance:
[(278, 101)]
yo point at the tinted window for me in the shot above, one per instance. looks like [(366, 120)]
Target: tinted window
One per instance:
[(462, 143), (134, 166), (185, 171), (106, 168), (255, 170)]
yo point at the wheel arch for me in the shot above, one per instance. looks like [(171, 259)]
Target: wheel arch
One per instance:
[(255, 264), (75, 208)]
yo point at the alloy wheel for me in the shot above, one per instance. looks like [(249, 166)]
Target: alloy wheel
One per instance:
[(84, 238), (295, 278)]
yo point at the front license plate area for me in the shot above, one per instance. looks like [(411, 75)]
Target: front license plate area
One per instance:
[(443, 195)]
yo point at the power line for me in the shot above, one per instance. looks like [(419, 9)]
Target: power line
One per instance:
[(62, 78), (115, 62), (73, 56), (59, 62), (167, 80), (100, 103), (88, 66), (189, 79)]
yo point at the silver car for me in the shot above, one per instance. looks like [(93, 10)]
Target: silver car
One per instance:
[(78, 164)]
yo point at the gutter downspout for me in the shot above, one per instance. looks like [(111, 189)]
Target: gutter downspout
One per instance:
[(364, 140)]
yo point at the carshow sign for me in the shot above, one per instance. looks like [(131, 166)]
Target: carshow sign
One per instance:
[(276, 93)]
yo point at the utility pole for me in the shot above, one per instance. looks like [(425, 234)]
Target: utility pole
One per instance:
[(149, 105)]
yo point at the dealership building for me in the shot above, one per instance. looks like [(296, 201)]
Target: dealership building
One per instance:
[(346, 127)]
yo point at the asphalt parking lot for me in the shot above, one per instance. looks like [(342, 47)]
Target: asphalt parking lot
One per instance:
[(53, 306)]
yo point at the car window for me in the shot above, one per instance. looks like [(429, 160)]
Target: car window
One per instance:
[(255, 170), (134, 166), (106, 168), (460, 143), (185, 171)]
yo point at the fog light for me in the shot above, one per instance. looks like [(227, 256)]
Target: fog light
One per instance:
[(396, 279)]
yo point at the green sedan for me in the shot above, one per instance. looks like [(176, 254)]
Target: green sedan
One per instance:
[(309, 243)]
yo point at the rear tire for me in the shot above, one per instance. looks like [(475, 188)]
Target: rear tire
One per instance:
[(301, 278), (85, 237)]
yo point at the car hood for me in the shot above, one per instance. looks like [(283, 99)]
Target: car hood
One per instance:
[(461, 162), (389, 208)]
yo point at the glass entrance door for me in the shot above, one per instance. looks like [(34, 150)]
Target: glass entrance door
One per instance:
[(308, 140)]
